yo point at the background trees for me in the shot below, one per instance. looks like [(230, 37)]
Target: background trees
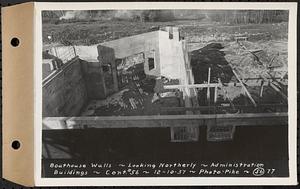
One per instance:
[(221, 16)]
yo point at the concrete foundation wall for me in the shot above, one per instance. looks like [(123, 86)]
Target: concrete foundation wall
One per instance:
[(64, 93), (93, 76), (47, 64), (87, 53), (171, 56), (83, 78), (107, 57), (147, 43), (64, 53), (127, 46)]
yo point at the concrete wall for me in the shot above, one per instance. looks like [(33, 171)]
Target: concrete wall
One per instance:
[(93, 72), (65, 53), (147, 43), (107, 57), (91, 69), (64, 93), (135, 44), (166, 51), (93, 76), (47, 67), (172, 56), (87, 53)]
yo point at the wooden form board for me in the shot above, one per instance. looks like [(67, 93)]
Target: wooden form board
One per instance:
[(247, 119), (207, 108), (213, 85)]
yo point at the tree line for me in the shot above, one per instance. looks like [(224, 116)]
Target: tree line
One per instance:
[(248, 16), (222, 16)]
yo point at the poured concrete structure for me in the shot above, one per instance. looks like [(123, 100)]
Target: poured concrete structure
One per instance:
[(165, 47), (93, 75), (64, 91), (47, 67), (164, 55)]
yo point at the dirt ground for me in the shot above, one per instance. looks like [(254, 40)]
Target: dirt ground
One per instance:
[(249, 59), (194, 31)]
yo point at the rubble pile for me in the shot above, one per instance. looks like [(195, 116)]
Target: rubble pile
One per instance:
[(113, 100)]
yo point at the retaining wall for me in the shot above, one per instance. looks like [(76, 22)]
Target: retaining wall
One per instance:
[(64, 92)]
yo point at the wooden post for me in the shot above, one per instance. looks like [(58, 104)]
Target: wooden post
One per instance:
[(208, 90), (225, 92), (216, 94), (244, 87), (261, 89)]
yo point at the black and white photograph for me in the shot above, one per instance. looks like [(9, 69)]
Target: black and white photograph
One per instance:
[(165, 93)]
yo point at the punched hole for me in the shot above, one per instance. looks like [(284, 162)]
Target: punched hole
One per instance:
[(15, 144), (15, 42)]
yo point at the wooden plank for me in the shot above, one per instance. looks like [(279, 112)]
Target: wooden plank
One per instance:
[(190, 86), (205, 85), (166, 121), (276, 89), (259, 78), (245, 89), (279, 92), (278, 82), (206, 108), (261, 90)]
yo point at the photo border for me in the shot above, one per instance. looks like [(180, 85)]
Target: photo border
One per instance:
[(168, 181)]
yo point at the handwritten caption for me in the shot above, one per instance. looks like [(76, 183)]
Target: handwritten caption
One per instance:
[(162, 169)]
